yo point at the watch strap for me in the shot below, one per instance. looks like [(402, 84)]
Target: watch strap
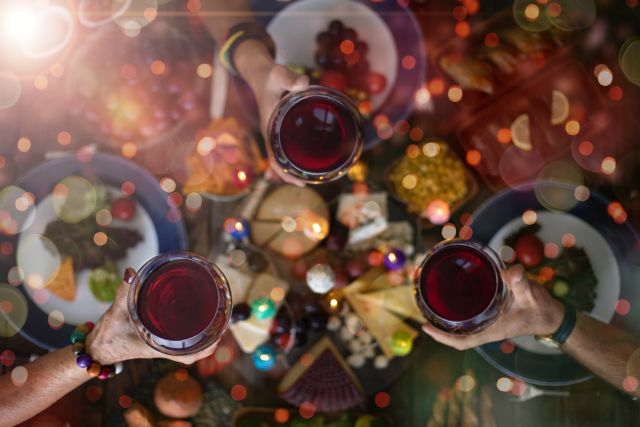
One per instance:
[(567, 325)]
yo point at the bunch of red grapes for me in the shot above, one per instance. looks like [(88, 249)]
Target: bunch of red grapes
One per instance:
[(342, 60)]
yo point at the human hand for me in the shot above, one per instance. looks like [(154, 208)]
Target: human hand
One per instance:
[(114, 338), (269, 82), (278, 81), (532, 311)]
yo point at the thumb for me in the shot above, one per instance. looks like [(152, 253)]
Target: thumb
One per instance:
[(291, 81), (516, 280)]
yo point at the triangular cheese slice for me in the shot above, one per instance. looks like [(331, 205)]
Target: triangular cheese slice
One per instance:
[(63, 285), (373, 279), (239, 282), (322, 378), (382, 324), (251, 333), (398, 299)]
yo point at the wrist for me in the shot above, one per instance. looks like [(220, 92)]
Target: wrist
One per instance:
[(550, 317), (102, 351), (253, 62)]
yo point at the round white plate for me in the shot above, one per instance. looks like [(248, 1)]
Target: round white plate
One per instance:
[(33, 257), (605, 267), (294, 31)]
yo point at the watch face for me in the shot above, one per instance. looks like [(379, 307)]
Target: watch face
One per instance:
[(548, 341)]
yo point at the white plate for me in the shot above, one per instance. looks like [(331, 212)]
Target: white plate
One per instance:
[(295, 28), (605, 267), (33, 257)]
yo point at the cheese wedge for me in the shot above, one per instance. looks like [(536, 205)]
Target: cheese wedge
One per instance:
[(63, 285), (239, 282), (251, 333), (382, 324), (397, 299)]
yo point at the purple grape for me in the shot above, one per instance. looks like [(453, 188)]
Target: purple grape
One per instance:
[(324, 39), (362, 47), (322, 59), (350, 34), (336, 28), (336, 60)]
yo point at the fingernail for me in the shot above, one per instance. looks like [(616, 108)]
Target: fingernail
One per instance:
[(129, 274)]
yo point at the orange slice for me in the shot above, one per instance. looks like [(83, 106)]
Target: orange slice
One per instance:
[(559, 107), (520, 133)]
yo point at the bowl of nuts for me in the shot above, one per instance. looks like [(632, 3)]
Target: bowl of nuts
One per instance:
[(431, 181)]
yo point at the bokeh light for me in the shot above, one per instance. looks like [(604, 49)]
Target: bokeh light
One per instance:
[(74, 199), (507, 254), (56, 319), (608, 165), (204, 71), (382, 399), (193, 202), (448, 231), (37, 273), (455, 93), (570, 15), (528, 15), (13, 305), (238, 392), (465, 383), (19, 376), (23, 145), (281, 415), (17, 210), (623, 307), (551, 250), (10, 90), (529, 217), (51, 33), (555, 197), (137, 15), (582, 193), (604, 76), (504, 384), (629, 59), (307, 410)]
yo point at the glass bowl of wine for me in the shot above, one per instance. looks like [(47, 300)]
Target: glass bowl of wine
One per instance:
[(460, 286), (180, 303), (316, 134)]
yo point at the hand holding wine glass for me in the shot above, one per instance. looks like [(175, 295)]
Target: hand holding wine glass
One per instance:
[(114, 338), (532, 311)]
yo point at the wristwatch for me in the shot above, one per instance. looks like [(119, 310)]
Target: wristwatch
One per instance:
[(559, 337)]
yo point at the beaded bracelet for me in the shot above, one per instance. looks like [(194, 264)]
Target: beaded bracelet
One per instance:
[(236, 35), (83, 360)]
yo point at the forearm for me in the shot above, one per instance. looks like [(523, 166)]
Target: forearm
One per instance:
[(251, 58), (220, 15), (49, 378), (604, 349)]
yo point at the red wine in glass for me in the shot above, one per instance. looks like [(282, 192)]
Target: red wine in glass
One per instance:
[(460, 286), (316, 135), (180, 303)]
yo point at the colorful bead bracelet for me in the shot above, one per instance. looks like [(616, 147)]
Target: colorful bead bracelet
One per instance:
[(83, 360)]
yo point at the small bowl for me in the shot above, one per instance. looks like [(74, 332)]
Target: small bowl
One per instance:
[(472, 190)]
